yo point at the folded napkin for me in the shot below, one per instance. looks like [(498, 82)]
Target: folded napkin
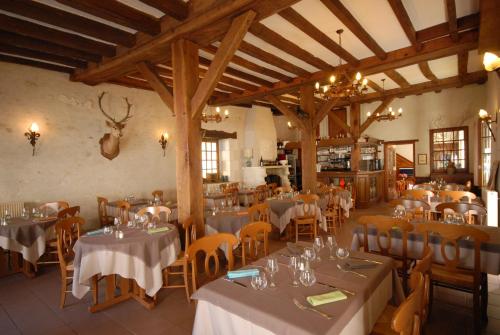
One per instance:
[(95, 232), (242, 273), (325, 298), (359, 265), (158, 230)]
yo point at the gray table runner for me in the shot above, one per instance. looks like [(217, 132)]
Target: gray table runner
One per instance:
[(227, 222), (26, 232)]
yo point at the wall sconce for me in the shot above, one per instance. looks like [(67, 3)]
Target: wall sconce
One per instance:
[(164, 142), (33, 135), (491, 61), (290, 125), (485, 117)]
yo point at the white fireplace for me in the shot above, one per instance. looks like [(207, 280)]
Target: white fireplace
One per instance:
[(255, 175)]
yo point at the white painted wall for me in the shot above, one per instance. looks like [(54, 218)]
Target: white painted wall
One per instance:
[(405, 150), (260, 134), (493, 106), (282, 131)]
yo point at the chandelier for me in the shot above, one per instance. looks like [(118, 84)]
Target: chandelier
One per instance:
[(390, 115), (342, 87), (214, 117)]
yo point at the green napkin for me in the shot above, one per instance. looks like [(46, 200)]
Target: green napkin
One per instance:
[(326, 298), (158, 230), (95, 232)]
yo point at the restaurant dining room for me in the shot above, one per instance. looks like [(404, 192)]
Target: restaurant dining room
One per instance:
[(249, 167)]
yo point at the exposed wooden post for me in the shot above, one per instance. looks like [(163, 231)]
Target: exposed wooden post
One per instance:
[(355, 133), (185, 78), (308, 139)]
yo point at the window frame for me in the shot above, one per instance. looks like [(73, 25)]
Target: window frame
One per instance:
[(216, 141), (465, 169)]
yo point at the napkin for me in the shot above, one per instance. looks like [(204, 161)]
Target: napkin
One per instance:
[(95, 232), (325, 298), (354, 266), (158, 230), (242, 273)]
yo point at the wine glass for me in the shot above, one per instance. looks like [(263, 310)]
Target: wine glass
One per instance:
[(108, 230), (448, 218), (309, 254), (117, 222), (223, 205), (342, 253), (307, 276), (272, 268), (318, 245), (459, 219), (331, 243), (259, 282), (294, 268), (144, 222)]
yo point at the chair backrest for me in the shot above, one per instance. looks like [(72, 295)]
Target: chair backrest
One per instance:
[(450, 235), (157, 194), (309, 203), (232, 195), (474, 213), (411, 204), (457, 195), (417, 194), (209, 245), (259, 212), (155, 212), (253, 233), (124, 208), (67, 232), (260, 194), (189, 227), (223, 187), (52, 208), (406, 319), (384, 226), (424, 266), (68, 212), (102, 211)]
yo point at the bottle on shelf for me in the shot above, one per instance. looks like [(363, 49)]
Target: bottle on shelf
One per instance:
[(261, 161)]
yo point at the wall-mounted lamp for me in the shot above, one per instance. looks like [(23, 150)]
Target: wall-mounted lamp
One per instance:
[(290, 125), (491, 61), (164, 142), (485, 117), (33, 135)]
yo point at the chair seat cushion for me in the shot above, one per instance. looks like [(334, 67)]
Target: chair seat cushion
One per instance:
[(462, 278), (383, 325)]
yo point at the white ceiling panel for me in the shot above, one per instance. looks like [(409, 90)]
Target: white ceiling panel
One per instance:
[(377, 79), (412, 74), (378, 19), (475, 62), (466, 7), (444, 67), (425, 13), (252, 39), (323, 19)]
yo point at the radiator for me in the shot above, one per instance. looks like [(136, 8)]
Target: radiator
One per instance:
[(15, 208)]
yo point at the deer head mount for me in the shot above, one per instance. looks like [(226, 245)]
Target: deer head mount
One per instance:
[(110, 142)]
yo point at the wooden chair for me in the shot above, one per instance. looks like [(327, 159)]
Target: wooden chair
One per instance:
[(104, 218), (52, 208), (419, 208), (68, 212), (209, 245), (474, 213), (417, 194), (254, 234), (232, 195), (124, 208), (385, 226), (305, 224), (424, 266), (68, 232), (189, 237), (456, 195), (155, 212), (260, 194), (405, 320), (270, 188), (259, 212), (451, 274), (333, 213), (157, 194)]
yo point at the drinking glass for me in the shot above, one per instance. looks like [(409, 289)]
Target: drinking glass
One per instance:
[(117, 222), (259, 282), (223, 205), (144, 221), (309, 254), (7, 215), (307, 276), (448, 218), (331, 243), (272, 268), (229, 203), (318, 245), (342, 253), (108, 230), (294, 268), (459, 219), (25, 215), (3, 222)]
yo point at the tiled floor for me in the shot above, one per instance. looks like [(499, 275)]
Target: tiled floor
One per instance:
[(31, 306)]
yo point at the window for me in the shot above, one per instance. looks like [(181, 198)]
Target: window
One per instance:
[(485, 153), (449, 145), (209, 158)]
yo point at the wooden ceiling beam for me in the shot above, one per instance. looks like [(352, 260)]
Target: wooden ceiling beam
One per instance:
[(51, 35), (426, 71), (404, 20), (397, 78), (177, 9), (269, 58), (29, 62), (149, 73), (451, 10), (338, 121), (228, 47), (323, 111), (275, 39), (309, 29), (489, 40), (443, 29), (375, 86), (380, 109), (5, 48), (60, 18), (117, 12), (46, 47), (251, 66), (286, 111), (436, 48)]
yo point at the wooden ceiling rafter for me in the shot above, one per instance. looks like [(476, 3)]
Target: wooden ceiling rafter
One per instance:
[(463, 23), (5, 48), (323, 111), (157, 83), (34, 63), (376, 87), (451, 11), (426, 71), (463, 60), (286, 111), (397, 78), (404, 20)]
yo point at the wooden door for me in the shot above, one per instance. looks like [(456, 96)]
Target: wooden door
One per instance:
[(390, 172)]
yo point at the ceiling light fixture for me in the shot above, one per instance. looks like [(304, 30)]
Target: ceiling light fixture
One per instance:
[(390, 115), (214, 117)]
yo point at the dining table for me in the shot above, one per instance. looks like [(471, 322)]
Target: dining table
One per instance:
[(283, 210), (138, 204), (344, 200), (26, 237), (215, 199), (132, 255), (235, 307), (229, 221)]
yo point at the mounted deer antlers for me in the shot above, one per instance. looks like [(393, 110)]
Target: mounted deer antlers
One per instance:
[(110, 142)]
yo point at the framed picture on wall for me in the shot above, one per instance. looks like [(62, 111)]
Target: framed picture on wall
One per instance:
[(422, 159)]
